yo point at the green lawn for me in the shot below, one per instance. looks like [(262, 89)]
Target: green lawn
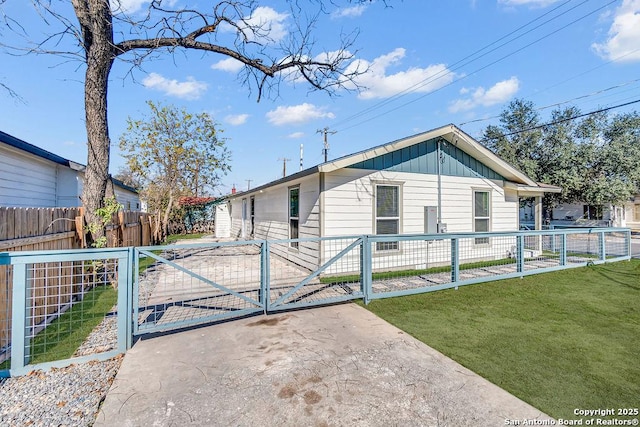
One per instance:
[(559, 341), (64, 335)]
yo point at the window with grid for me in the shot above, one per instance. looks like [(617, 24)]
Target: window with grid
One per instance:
[(387, 214), (294, 212), (481, 215)]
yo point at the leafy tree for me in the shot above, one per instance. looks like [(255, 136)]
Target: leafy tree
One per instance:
[(593, 158), (513, 140), (173, 153), (104, 31), (559, 159)]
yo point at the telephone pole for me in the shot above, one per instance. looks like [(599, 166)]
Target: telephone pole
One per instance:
[(325, 132), (284, 165)]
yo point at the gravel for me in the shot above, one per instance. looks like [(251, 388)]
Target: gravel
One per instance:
[(71, 396), (68, 396)]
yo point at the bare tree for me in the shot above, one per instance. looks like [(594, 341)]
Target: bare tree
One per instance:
[(105, 31)]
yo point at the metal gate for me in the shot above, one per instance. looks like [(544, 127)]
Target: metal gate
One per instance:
[(311, 272), (182, 285)]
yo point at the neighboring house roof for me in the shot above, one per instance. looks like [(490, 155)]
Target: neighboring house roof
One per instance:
[(14, 142), (496, 168), (32, 149)]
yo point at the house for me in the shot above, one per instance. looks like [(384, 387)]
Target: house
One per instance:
[(583, 214), (33, 177), (433, 182)]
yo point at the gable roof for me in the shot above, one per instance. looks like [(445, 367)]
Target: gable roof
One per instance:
[(19, 144), (451, 133)]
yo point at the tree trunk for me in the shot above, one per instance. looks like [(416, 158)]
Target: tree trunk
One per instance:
[(98, 43), (165, 218)]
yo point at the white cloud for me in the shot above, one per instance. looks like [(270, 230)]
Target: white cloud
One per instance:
[(623, 42), (230, 64), (297, 114), (190, 89), (379, 84), (349, 12), (236, 119), (296, 135), (265, 23), (132, 6), (532, 3), (496, 94)]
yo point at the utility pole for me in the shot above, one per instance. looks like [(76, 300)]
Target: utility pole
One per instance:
[(325, 132), (284, 165), (248, 184)]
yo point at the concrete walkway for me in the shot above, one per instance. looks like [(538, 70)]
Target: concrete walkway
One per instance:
[(330, 366)]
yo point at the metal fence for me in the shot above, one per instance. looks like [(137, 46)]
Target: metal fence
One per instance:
[(68, 306)]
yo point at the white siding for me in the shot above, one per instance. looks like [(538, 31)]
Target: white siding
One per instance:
[(272, 219), (349, 203), (349, 210), (25, 180), (128, 199), (67, 185), (222, 221)]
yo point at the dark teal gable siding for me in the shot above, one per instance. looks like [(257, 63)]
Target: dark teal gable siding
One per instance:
[(422, 157)]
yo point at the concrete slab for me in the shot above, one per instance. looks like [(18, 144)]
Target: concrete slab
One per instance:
[(330, 366)]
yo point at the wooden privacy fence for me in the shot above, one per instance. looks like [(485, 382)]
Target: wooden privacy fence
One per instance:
[(130, 228), (47, 229)]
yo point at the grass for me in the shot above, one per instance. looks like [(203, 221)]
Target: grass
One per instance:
[(559, 341), (60, 339), (147, 261), (64, 335), (175, 237), (383, 275)]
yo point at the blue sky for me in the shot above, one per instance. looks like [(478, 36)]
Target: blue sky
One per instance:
[(420, 77)]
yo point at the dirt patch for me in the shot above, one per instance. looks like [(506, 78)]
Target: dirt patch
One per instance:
[(312, 397), (272, 321), (287, 392), (315, 379)]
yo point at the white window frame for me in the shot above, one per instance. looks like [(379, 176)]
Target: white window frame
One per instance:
[(293, 245), (244, 218), (252, 215), (481, 241), (390, 246)]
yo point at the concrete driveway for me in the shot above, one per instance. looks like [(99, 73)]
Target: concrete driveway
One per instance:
[(330, 366)]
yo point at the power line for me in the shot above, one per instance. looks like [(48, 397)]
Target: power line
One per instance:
[(460, 63), (598, 92), (617, 58), (555, 122), (477, 70)]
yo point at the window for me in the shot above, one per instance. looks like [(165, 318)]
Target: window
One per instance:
[(481, 215), (387, 214), (636, 212), (592, 212), (252, 214), (294, 214)]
